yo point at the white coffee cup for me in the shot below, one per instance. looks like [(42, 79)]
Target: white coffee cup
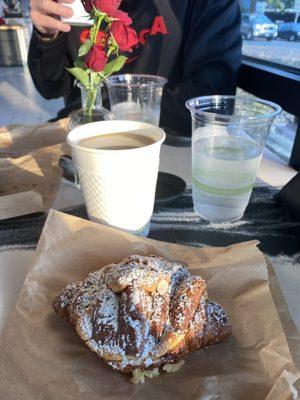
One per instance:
[(80, 17), (118, 185)]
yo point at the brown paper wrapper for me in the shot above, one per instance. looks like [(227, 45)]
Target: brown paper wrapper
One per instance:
[(15, 205), (29, 156), (38, 171), (17, 140), (43, 358)]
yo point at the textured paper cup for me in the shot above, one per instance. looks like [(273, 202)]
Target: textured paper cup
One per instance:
[(118, 185), (80, 17)]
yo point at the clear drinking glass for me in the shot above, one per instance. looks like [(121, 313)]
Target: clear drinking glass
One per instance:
[(91, 108), (136, 97), (228, 139)]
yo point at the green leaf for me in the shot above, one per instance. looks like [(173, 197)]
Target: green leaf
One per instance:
[(94, 78), (80, 74), (113, 42), (98, 13), (114, 65), (80, 64), (113, 47), (98, 18), (84, 48), (109, 20)]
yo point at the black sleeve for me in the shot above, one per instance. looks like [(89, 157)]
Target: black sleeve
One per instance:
[(211, 59), (47, 61)]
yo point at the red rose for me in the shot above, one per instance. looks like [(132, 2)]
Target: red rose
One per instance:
[(85, 35), (107, 6), (124, 35), (96, 58), (101, 37), (122, 16)]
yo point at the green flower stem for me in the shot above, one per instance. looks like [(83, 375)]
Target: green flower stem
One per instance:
[(90, 101), (99, 20), (92, 90)]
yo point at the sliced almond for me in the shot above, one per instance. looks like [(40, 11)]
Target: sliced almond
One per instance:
[(112, 357), (162, 287), (116, 287), (169, 341)]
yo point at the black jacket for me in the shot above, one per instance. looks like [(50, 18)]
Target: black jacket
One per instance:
[(196, 44)]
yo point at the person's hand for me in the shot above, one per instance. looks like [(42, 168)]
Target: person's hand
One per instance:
[(46, 14)]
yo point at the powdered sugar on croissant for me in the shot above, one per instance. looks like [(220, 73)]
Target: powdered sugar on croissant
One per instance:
[(142, 314)]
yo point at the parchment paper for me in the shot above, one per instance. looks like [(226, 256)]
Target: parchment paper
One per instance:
[(38, 171), (42, 358), (15, 205), (17, 140), (29, 156)]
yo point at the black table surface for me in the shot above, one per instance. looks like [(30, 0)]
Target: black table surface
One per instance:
[(264, 220)]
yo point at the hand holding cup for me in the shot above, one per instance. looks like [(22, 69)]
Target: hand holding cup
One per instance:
[(46, 16)]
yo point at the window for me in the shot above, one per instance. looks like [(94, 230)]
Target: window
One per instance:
[(272, 36), (261, 19), (282, 134)]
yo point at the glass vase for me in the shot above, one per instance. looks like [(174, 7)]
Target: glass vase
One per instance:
[(91, 108)]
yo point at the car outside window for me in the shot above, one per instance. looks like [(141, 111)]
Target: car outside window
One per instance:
[(267, 40)]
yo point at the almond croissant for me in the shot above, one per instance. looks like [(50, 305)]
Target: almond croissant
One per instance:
[(142, 314)]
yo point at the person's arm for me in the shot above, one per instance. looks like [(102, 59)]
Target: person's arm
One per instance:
[(211, 60), (48, 57), (47, 61)]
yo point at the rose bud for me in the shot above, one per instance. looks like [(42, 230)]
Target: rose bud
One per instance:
[(85, 35), (107, 6), (96, 58), (124, 35), (123, 17), (101, 37)]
